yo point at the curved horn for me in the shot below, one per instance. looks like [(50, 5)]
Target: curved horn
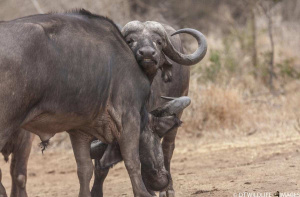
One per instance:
[(164, 119), (132, 26), (168, 98), (184, 59), (174, 106)]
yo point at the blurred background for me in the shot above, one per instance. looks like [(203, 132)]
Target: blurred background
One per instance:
[(253, 54), (245, 93)]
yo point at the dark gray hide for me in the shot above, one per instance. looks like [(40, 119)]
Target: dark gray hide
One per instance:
[(19, 146), (154, 173), (73, 72), (160, 51), (156, 178)]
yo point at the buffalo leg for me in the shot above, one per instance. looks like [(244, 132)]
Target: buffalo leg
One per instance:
[(100, 175), (2, 190), (18, 167), (81, 147), (168, 146), (129, 146), (103, 161), (5, 135)]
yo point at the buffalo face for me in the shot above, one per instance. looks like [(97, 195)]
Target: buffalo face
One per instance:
[(161, 121), (154, 174), (146, 46), (153, 49)]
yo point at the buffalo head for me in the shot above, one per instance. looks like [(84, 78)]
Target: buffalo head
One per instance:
[(160, 121), (152, 46)]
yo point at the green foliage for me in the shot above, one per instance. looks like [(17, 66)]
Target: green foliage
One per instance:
[(234, 60), (287, 70), (263, 69), (211, 72), (230, 61), (219, 60)]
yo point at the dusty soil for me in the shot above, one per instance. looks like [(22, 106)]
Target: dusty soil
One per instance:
[(202, 166)]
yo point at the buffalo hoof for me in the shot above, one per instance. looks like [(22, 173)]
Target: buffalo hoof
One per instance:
[(168, 193)]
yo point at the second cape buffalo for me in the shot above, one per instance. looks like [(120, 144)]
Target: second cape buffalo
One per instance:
[(159, 52), (75, 72)]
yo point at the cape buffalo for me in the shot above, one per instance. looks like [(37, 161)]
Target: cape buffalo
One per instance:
[(73, 71), (19, 146), (158, 51)]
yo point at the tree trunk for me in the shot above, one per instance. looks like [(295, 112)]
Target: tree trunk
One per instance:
[(267, 9), (271, 64), (254, 49)]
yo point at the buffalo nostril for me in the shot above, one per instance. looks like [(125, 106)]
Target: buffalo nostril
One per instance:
[(146, 52), (141, 52)]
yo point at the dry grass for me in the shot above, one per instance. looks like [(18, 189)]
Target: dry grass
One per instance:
[(214, 107), (237, 103), (219, 110)]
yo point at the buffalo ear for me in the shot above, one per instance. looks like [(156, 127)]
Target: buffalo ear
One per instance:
[(162, 125), (111, 156), (97, 149), (166, 68)]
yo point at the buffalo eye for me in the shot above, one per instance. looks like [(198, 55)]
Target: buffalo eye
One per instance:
[(159, 42), (130, 41)]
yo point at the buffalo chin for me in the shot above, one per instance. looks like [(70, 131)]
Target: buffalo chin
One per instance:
[(156, 182), (150, 68), (149, 65)]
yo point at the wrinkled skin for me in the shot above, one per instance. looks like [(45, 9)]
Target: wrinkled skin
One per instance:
[(154, 173), (73, 72), (155, 176), (149, 42), (19, 146)]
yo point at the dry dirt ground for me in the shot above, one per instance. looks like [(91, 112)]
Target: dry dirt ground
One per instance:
[(202, 166)]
